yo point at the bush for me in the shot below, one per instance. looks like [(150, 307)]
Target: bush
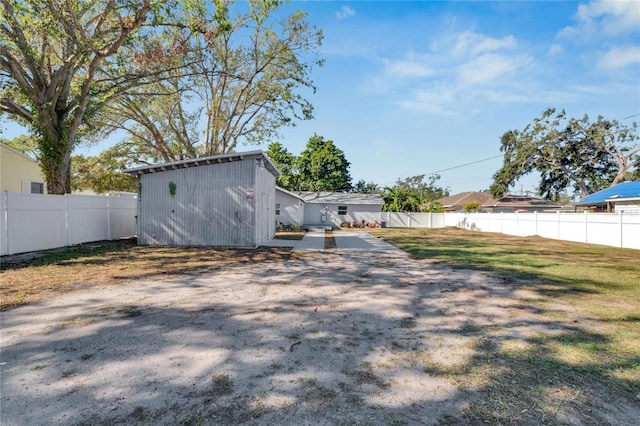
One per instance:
[(291, 227)]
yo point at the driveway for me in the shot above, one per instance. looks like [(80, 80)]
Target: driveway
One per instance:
[(345, 241), (360, 335)]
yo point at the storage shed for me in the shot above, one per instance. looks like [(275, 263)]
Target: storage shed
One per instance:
[(224, 200)]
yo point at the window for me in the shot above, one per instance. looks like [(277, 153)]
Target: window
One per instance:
[(277, 209), (342, 210), (37, 188)]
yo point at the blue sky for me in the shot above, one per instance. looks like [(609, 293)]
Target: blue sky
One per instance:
[(415, 87)]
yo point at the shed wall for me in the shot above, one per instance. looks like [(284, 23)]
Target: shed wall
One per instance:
[(211, 206)]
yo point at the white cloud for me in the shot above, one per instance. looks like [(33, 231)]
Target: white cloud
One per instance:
[(604, 18), (473, 43), (555, 49), (619, 57), (489, 68), (456, 72), (411, 67), (345, 12)]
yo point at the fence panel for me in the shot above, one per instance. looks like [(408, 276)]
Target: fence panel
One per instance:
[(39, 222), (88, 218), (611, 229)]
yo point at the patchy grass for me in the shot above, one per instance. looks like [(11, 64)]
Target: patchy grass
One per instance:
[(589, 293), (39, 276), (289, 235)]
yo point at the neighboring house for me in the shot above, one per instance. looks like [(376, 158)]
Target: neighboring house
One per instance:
[(624, 197), (19, 173), (520, 203), (225, 200), (327, 209), (455, 203)]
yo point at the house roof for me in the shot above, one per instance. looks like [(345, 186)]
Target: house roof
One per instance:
[(339, 198), (215, 159), (459, 200), (521, 201), (284, 191), (630, 189), (15, 151)]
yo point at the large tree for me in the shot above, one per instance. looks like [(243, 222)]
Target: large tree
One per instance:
[(286, 163), (240, 83), (568, 152), (52, 54), (322, 166)]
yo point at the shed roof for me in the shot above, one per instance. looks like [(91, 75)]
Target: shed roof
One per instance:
[(339, 198), (630, 189), (215, 159)]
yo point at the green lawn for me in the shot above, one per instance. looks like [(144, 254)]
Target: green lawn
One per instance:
[(590, 293)]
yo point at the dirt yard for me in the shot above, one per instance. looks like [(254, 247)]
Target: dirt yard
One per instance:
[(321, 338)]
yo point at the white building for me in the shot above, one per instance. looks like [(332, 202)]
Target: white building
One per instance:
[(326, 209)]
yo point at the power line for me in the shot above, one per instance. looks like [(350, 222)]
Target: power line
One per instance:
[(463, 165)]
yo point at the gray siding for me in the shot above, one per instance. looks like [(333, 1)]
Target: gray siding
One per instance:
[(355, 213), (265, 195), (291, 209), (211, 206)]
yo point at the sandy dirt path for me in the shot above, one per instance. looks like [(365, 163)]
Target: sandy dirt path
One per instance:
[(331, 338)]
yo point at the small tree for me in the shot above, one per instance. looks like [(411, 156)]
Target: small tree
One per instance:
[(471, 206)]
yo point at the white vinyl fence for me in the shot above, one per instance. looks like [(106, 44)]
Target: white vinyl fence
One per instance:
[(610, 229), (30, 222)]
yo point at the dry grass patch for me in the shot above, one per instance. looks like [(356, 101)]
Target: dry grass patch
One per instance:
[(27, 278)]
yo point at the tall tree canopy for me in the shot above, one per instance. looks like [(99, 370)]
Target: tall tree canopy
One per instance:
[(52, 54), (231, 84), (286, 163), (568, 152), (322, 166)]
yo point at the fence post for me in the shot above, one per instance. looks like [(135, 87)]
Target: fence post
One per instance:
[(586, 228), (557, 225), (66, 219), (621, 227), (410, 222), (109, 236), (5, 228)]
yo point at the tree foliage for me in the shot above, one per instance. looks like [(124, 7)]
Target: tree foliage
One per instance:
[(364, 187), (320, 167), (414, 194), (102, 174), (235, 79), (286, 164), (568, 152), (323, 167), (52, 58)]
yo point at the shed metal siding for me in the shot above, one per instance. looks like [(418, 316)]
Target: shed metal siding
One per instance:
[(264, 198), (210, 206)]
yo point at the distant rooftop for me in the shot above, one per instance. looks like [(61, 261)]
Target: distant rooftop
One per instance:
[(630, 189)]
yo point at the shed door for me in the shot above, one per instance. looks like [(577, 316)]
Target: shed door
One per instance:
[(265, 223)]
